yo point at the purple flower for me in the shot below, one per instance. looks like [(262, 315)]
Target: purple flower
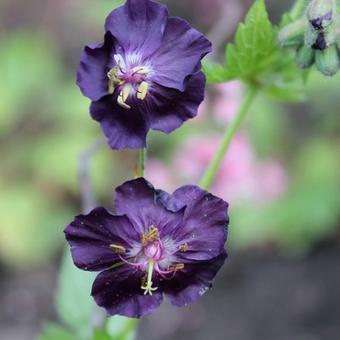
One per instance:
[(155, 244), (146, 74)]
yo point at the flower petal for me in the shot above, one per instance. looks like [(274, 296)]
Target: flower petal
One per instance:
[(204, 227), (181, 51), (138, 25), (139, 200), (119, 292), (193, 281), (169, 108), (90, 237), (94, 65), (124, 128)]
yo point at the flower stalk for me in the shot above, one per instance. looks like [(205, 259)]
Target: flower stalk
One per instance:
[(211, 172), (141, 163)]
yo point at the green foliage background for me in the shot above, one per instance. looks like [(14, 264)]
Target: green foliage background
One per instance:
[(45, 126)]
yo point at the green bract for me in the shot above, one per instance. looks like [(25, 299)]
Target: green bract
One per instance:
[(257, 59)]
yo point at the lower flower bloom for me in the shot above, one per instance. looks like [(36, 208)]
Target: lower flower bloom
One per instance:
[(155, 244)]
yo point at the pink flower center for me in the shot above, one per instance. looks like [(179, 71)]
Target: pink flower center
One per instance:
[(154, 250), (130, 79)]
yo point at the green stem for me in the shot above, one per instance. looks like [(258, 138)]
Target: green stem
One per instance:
[(141, 162), (230, 132)]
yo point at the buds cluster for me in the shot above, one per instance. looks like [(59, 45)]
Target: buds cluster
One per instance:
[(316, 37)]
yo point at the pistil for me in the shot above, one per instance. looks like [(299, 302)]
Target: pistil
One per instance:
[(148, 289)]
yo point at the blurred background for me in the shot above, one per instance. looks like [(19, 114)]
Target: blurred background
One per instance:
[(281, 178)]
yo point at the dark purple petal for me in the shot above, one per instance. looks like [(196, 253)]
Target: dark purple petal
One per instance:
[(169, 108), (138, 25), (169, 202), (90, 237), (124, 128), (204, 227), (94, 65), (140, 201), (119, 292), (181, 51), (193, 281)]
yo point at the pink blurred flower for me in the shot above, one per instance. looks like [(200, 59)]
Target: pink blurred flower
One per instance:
[(273, 178), (227, 102), (242, 176), (160, 175)]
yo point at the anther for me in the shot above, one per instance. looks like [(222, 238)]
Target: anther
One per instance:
[(142, 90), (123, 96), (177, 267), (184, 247), (113, 79), (150, 236), (117, 248)]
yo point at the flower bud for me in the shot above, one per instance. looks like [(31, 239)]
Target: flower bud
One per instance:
[(305, 57), (320, 13), (292, 35), (327, 61), (320, 40)]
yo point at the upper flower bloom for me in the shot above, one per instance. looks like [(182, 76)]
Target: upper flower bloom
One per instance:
[(146, 74), (155, 244)]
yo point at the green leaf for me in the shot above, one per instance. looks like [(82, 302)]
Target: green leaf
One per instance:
[(121, 328), (100, 334), (255, 44), (253, 50), (74, 304), (215, 73), (256, 58), (53, 331), (251, 53)]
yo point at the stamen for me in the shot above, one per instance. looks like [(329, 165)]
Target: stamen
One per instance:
[(119, 60), (135, 264), (123, 94), (142, 90), (117, 248), (176, 267), (172, 270), (111, 87), (141, 70), (126, 92), (113, 79), (150, 236), (147, 286), (184, 247)]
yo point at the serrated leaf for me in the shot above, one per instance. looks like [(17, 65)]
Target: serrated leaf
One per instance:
[(215, 73), (256, 58), (255, 44), (251, 53)]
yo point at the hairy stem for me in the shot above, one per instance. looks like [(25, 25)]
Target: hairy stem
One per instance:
[(210, 174), (84, 177)]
